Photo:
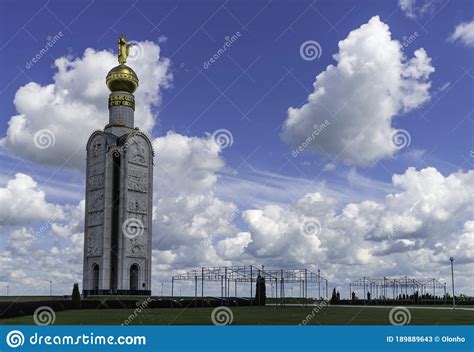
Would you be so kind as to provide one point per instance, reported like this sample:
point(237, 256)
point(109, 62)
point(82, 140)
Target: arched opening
point(95, 277)
point(134, 277)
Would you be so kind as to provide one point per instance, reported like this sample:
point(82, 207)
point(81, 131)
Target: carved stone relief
point(136, 246)
point(96, 200)
point(141, 217)
point(138, 152)
point(96, 182)
point(95, 218)
point(94, 242)
point(137, 179)
point(138, 204)
point(97, 147)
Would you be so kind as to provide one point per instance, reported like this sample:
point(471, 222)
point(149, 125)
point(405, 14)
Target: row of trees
point(415, 297)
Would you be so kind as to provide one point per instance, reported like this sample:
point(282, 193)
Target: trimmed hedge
point(15, 309)
point(401, 302)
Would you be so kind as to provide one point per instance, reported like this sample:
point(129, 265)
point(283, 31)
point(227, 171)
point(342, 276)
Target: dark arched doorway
point(95, 277)
point(134, 277)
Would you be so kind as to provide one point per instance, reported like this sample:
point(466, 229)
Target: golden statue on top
point(122, 78)
point(123, 49)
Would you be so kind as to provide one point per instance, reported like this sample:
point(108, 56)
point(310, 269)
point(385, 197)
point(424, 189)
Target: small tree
point(76, 297)
point(353, 296)
point(333, 299)
point(368, 296)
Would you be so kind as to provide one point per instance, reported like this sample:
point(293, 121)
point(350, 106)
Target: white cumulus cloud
point(187, 214)
point(417, 8)
point(359, 97)
point(464, 33)
point(22, 202)
point(75, 104)
point(422, 218)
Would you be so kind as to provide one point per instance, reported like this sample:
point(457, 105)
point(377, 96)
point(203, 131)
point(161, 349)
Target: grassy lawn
point(253, 316)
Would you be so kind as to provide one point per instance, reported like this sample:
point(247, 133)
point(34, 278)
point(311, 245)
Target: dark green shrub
point(76, 297)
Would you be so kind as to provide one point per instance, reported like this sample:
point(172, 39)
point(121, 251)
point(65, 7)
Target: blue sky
point(194, 32)
point(248, 90)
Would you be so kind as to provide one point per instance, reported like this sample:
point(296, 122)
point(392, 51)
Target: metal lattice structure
point(228, 275)
point(386, 287)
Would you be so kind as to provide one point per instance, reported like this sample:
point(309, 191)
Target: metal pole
point(202, 284)
point(195, 290)
point(364, 289)
point(283, 291)
point(384, 288)
point(251, 288)
point(406, 288)
point(50, 288)
point(235, 282)
point(8, 290)
point(305, 287)
point(172, 287)
point(319, 284)
point(222, 286)
point(327, 289)
point(445, 293)
point(225, 282)
point(452, 278)
point(276, 291)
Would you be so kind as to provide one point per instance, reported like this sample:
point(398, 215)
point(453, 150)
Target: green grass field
point(254, 316)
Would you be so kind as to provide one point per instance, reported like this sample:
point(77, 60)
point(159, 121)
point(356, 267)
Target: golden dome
point(122, 79)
